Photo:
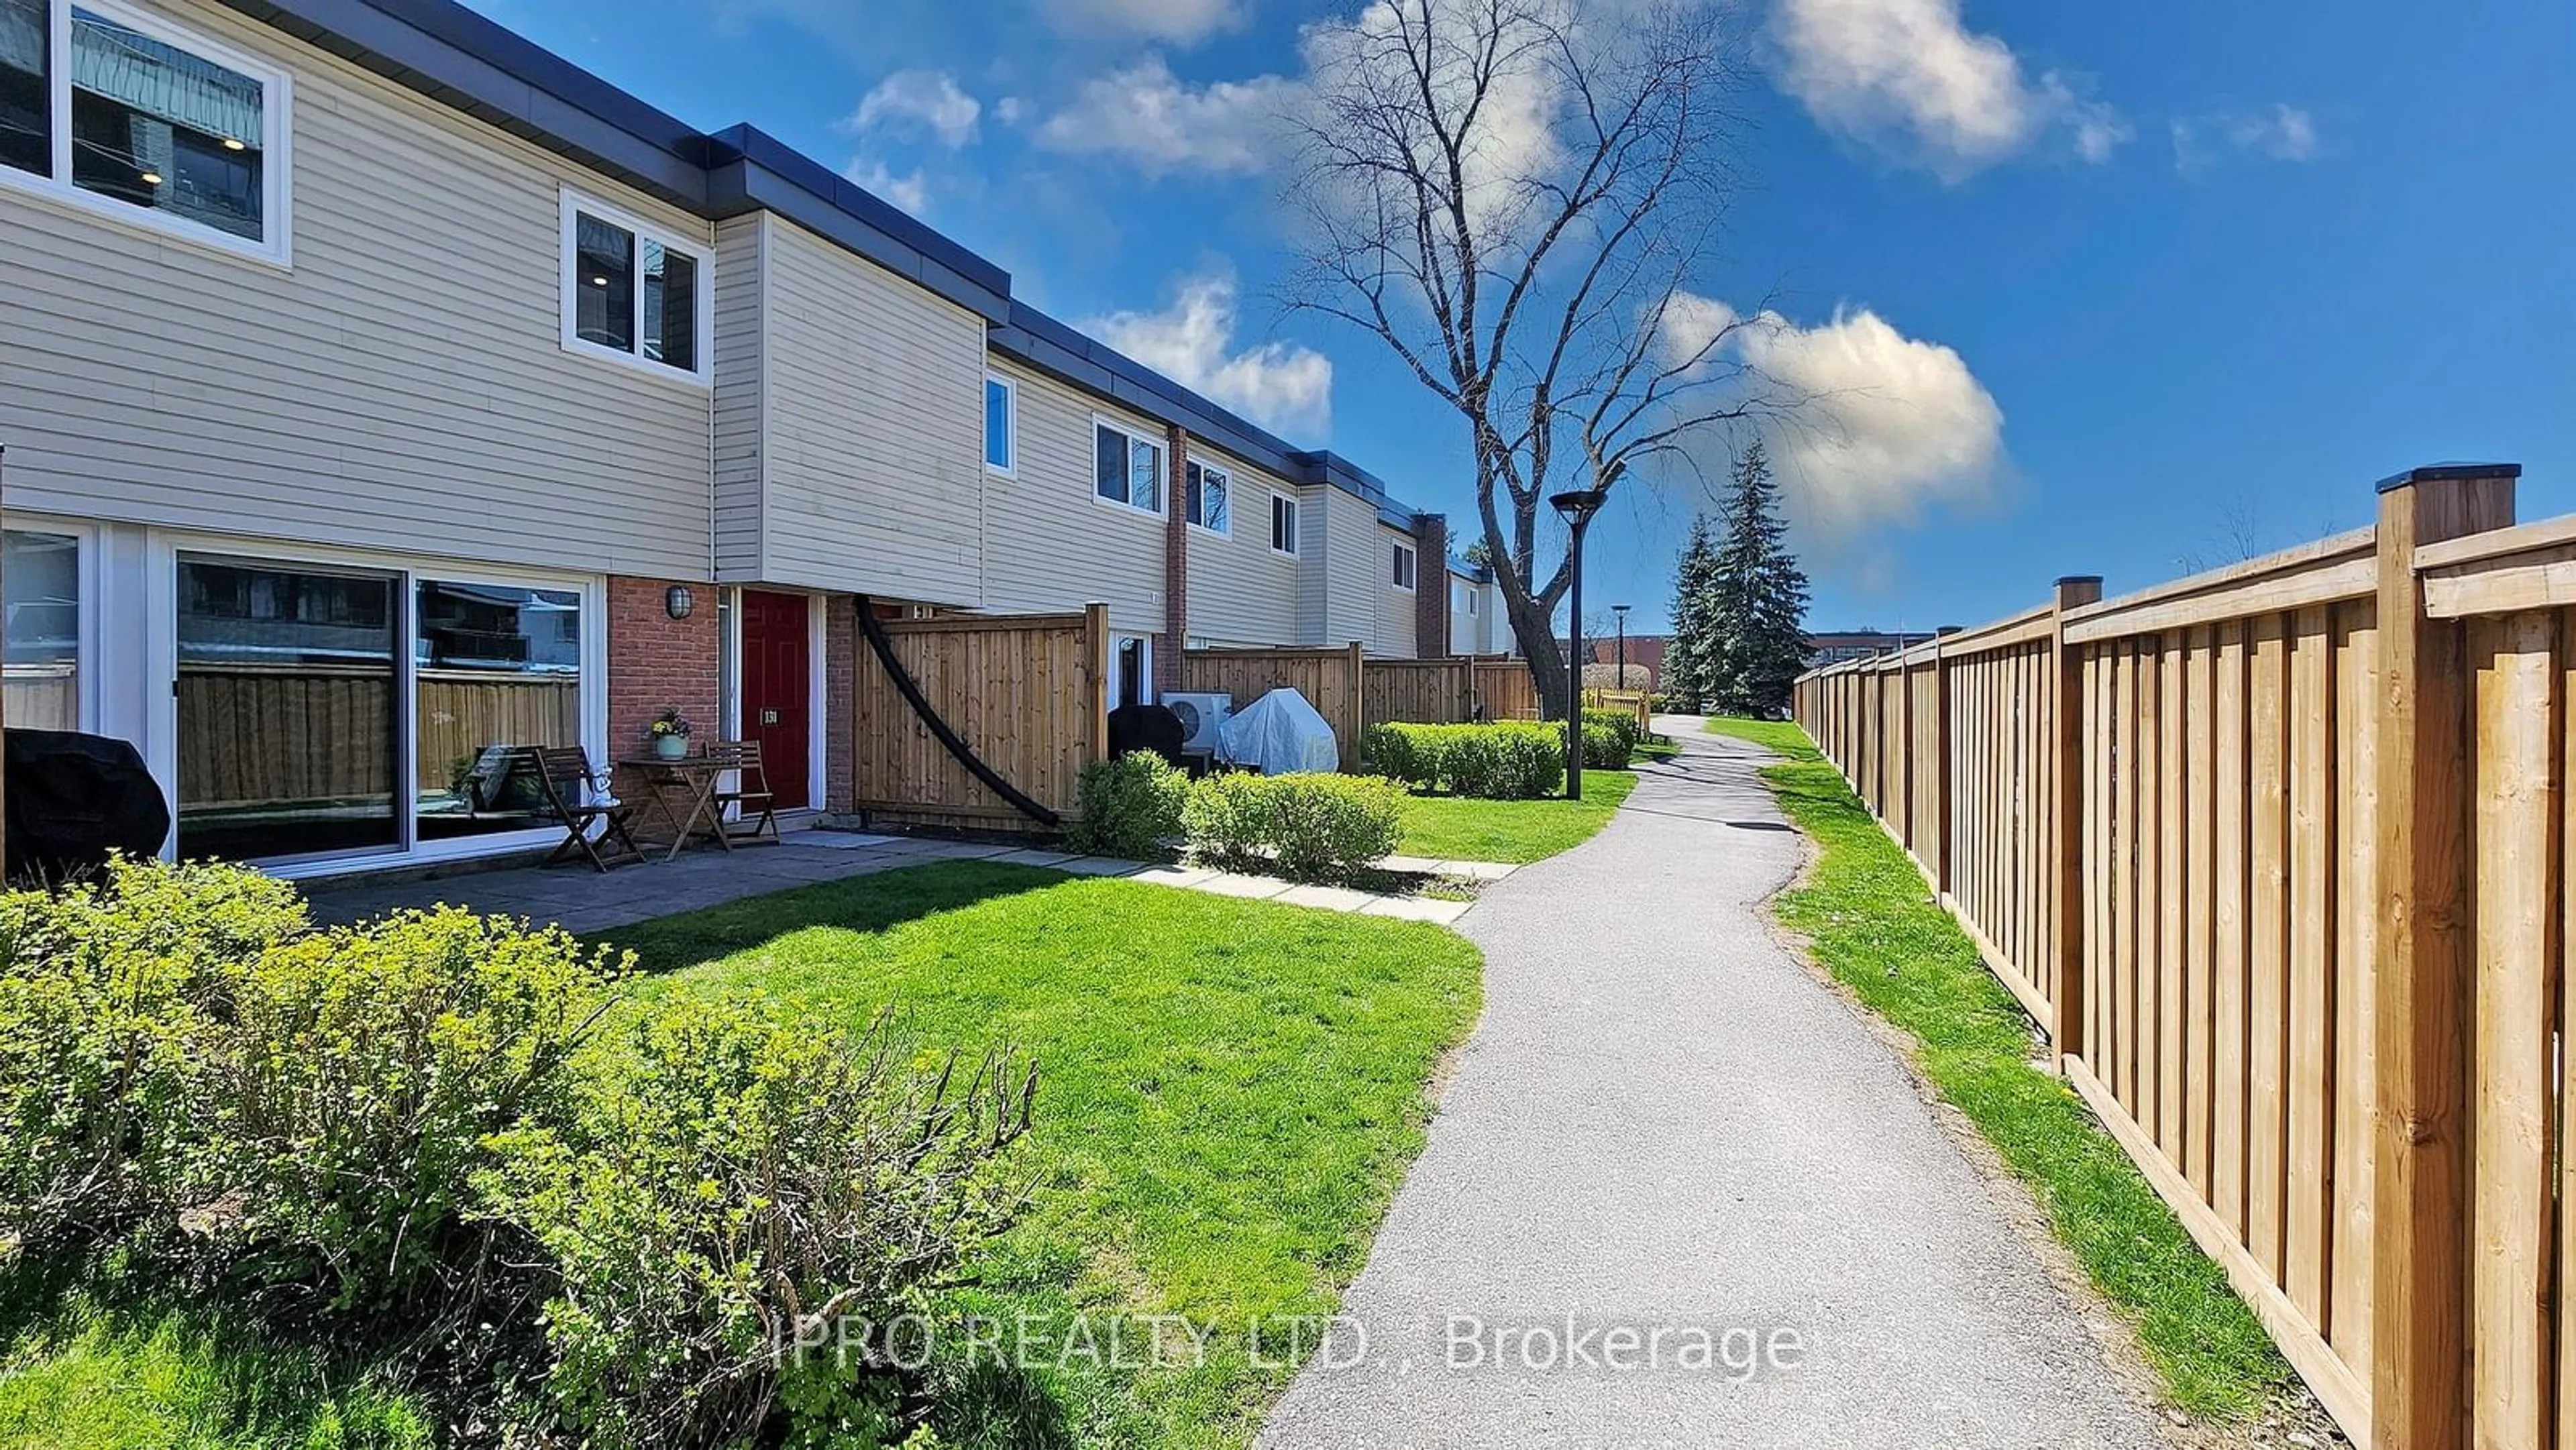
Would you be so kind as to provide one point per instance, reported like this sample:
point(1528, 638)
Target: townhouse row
point(376, 387)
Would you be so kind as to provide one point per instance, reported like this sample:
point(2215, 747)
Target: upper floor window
point(1404, 564)
point(1211, 498)
point(130, 116)
point(632, 294)
point(1283, 523)
point(1127, 468)
point(1001, 424)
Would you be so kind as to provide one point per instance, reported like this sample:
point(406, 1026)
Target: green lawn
point(1453, 828)
point(1230, 1091)
point(1874, 926)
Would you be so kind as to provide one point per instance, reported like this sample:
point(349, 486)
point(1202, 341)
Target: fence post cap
point(2448, 472)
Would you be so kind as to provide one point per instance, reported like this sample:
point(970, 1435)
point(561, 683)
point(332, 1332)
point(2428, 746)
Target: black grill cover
point(1145, 727)
point(75, 798)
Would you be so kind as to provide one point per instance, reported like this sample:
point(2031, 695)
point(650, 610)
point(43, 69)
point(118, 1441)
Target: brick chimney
point(1176, 565)
point(1431, 586)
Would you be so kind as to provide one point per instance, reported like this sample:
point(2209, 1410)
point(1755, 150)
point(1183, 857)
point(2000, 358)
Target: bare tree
point(1515, 196)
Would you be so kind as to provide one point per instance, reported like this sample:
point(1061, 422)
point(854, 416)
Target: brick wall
point(656, 663)
point(1176, 567)
point(1431, 586)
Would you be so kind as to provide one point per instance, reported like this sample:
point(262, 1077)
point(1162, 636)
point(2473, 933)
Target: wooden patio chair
point(569, 788)
point(750, 795)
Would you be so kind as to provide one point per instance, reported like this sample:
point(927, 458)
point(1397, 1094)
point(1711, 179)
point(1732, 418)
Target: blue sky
point(2107, 289)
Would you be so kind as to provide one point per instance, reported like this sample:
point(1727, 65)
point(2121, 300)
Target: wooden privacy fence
point(1028, 694)
point(1353, 692)
point(2279, 857)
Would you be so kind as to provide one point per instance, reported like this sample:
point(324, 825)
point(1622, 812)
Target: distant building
point(1857, 644)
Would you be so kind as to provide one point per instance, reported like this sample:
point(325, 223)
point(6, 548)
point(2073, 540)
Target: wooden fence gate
point(1028, 694)
point(2279, 857)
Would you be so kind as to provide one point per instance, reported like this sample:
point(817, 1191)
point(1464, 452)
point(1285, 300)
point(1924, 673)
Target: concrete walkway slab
point(1330, 898)
point(1667, 1133)
point(1417, 908)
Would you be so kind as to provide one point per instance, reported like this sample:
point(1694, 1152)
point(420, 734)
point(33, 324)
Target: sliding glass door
point(495, 666)
point(289, 694)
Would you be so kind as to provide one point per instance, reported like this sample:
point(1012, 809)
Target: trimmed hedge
point(1313, 827)
point(1508, 760)
point(1610, 739)
point(1129, 806)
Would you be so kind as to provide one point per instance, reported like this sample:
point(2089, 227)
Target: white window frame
point(86, 580)
point(1395, 566)
point(1475, 595)
point(166, 547)
point(276, 142)
point(1009, 467)
point(568, 281)
point(1296, 525)
point(1207, 471)
point(1162, 469)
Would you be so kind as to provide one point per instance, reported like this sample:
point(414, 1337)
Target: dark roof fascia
point(1092, 365)
point(754, 171)
point(460, 59)
point(479, 67)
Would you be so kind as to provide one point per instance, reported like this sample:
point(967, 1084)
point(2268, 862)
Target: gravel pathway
point(1679, 1194)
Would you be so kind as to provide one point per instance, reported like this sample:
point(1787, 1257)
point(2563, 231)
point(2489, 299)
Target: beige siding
point(1241, 592)
point(1395, 618)
point(1354, 574)
point(741, 436)
point(1315, 621)
point(874, 434)
point(1050, 542)
point(403, 386)
point(1470, 634)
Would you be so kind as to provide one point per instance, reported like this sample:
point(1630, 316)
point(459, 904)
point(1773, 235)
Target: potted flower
point(670, 732)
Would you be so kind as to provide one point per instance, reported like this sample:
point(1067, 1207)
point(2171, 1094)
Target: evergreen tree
point(1759, 599)
point(1686, 659)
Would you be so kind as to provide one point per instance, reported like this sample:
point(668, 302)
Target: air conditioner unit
point(1199, 715)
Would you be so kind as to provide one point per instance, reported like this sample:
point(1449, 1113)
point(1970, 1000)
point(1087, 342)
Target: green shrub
point(104, 993)
point(1129, 806)
point(190, 1072)
point(1227, 819)
point(742, 1217)
point(1313, 827)
point(1605, 747)
point(1622, 723)
point(1399, 751)
point(1508, 760)
point(347, 1103)
point(1533, 759)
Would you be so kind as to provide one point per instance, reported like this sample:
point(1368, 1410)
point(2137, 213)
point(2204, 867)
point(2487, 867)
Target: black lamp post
point(1578, 506)
point(1621, 610)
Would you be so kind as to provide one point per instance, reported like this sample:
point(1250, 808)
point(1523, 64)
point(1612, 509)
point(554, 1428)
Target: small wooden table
point(690, 781)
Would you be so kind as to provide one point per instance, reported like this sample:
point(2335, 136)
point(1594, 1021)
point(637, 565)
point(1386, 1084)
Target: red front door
point(778, 691)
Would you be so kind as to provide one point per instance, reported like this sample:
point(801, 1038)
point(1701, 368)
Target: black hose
point(966, 756)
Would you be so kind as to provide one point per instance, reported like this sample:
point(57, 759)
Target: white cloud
point(1885, 425)
point(924, 99)
point(1909, 76)
point(910, 191)
point(1513, 143)
point(1150, 116)
point(1282, 386)
point(1180, 22)
point(2278, 132)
